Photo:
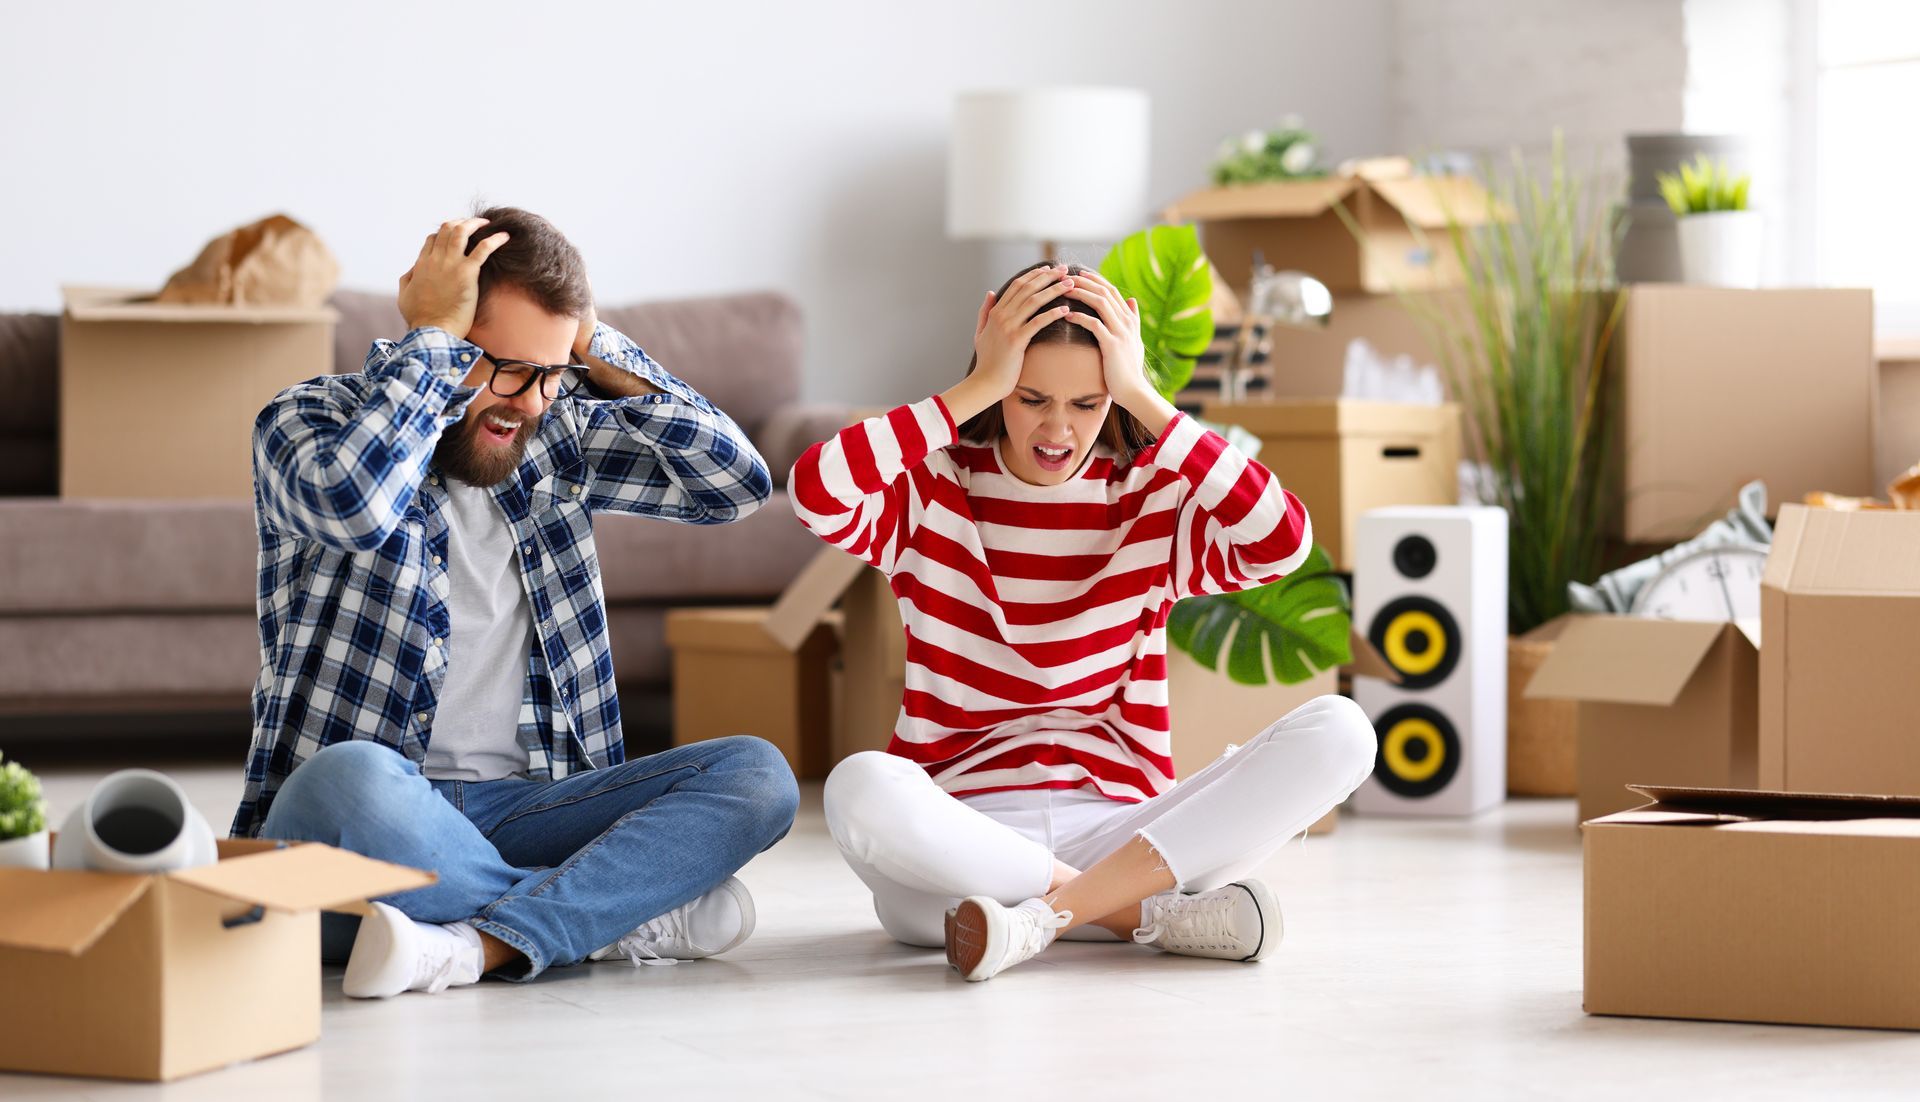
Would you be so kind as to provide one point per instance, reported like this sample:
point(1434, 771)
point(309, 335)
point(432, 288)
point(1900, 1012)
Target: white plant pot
point(135, 821)
point(1722, 248)
point(24, 853)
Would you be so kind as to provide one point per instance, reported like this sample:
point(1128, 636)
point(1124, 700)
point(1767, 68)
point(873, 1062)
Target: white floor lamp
point(1048, 165)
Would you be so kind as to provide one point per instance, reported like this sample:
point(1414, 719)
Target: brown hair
point(538, 260)
point(1121, 432)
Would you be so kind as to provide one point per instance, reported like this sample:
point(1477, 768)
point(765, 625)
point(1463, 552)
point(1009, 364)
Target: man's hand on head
point(442, 289)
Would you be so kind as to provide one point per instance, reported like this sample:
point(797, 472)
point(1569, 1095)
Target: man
point(435, 686)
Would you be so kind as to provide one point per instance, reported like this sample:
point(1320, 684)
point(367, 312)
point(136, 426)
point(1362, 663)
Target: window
point(1866, 170)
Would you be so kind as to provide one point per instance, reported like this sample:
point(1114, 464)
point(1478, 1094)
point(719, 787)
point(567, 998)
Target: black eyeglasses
point(512, 378)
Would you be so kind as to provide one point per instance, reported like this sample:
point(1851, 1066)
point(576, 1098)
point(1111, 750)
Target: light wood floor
point(1422, 960)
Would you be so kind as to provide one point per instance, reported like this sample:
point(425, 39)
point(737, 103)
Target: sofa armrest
point(794, 428)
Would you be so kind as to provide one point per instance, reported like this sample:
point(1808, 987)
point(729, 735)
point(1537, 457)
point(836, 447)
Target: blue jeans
point(556, 869)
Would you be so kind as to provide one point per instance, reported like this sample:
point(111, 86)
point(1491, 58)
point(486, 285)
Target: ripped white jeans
point(920, 850)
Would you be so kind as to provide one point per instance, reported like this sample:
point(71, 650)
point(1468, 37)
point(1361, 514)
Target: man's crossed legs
point(636, 858)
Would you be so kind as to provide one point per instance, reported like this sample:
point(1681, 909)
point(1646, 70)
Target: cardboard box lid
point(1822, 551)
point(1335, 417)
point(103, 304)
point(67, 911)
point(1424, 201)
point(1687, 806)
point(806, 601)
point(1628, 659)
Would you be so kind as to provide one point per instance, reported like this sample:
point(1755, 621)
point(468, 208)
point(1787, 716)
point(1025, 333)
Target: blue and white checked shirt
point(353, 539)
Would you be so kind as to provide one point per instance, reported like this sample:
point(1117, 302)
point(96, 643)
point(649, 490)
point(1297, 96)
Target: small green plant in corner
point(23, 813)
point(1702, 187)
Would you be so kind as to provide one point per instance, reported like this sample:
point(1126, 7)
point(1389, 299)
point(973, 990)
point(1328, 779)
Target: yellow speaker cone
point(1405, 660)
point(1408, 731)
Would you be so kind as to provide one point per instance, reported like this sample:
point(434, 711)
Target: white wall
point(1487, 75)
point(687, 148)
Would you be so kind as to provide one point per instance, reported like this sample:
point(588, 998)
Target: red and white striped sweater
point(1036, 615)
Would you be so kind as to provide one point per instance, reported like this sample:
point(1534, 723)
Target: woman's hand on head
point(1001, 333)
point(1123, 355)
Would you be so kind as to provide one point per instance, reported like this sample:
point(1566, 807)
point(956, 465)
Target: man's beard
point(462, 456)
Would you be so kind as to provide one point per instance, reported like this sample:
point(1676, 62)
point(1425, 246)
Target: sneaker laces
point(641, 945)
point(1188, 916)
point(439, 963)
point(1031, 937)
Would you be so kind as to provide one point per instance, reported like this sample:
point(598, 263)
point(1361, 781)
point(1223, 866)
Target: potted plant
point(1526, 355)
point(23, 819)
point(1720, 239)
point(1288, 152)
point(1240, 660)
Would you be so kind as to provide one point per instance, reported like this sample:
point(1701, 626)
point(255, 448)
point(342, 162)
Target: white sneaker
point(1238, 922)
point(985, 938)
point(393, 953)
point(710, 925)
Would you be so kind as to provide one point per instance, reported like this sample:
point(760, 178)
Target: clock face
point(1713, 583)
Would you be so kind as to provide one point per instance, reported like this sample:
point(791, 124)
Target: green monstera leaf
point(1163, 268)
point(1286, 632)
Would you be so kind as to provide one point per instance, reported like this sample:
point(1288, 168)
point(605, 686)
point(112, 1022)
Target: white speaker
point(1430, 593)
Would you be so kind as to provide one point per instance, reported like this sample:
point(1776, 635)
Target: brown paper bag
point(273, 262)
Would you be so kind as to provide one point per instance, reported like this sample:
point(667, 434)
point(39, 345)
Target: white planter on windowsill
point(1722, 248)
point(24, 853)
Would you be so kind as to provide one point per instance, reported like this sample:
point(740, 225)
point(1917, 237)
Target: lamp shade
point(1048, 164)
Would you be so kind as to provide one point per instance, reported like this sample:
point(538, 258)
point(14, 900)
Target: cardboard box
point(189, 380)
point(1312, 363)
point(1295, 224)
point(1212, 711)
point(156, 977)
point(1897, 431)
point(873, 645)
point(1342, 457)
point(1840, 625)
point(732, 677)
point(1670, 702)
point(1722, 386)
point(1755, 907)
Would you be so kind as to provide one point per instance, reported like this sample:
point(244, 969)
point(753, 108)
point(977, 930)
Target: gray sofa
point(135, 617)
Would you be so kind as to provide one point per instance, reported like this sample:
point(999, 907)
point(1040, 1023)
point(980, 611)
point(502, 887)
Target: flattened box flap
point(303, 878)
point(63, 911)
point(1744, 803)
point(1627, 659)
point(807, 599)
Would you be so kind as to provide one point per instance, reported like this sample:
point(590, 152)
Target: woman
point(1036, 522)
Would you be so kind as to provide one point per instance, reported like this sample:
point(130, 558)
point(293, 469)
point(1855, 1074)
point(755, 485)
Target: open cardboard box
point(1840, 615)
point(156, 977)
point(1755, 906)
point(1298, 224)
point(873, 645)
point(203, 371)
point(1673, 699)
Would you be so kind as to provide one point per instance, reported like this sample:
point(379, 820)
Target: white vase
point(1722, 248)
point(24, 853)
point(135, 821)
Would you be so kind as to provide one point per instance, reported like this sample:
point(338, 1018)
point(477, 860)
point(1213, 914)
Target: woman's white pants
point(920, 850)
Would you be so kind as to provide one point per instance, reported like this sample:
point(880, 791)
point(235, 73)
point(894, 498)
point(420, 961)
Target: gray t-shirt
point(476, 727)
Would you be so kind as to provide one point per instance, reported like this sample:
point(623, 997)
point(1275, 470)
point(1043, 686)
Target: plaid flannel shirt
point(353, 539)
